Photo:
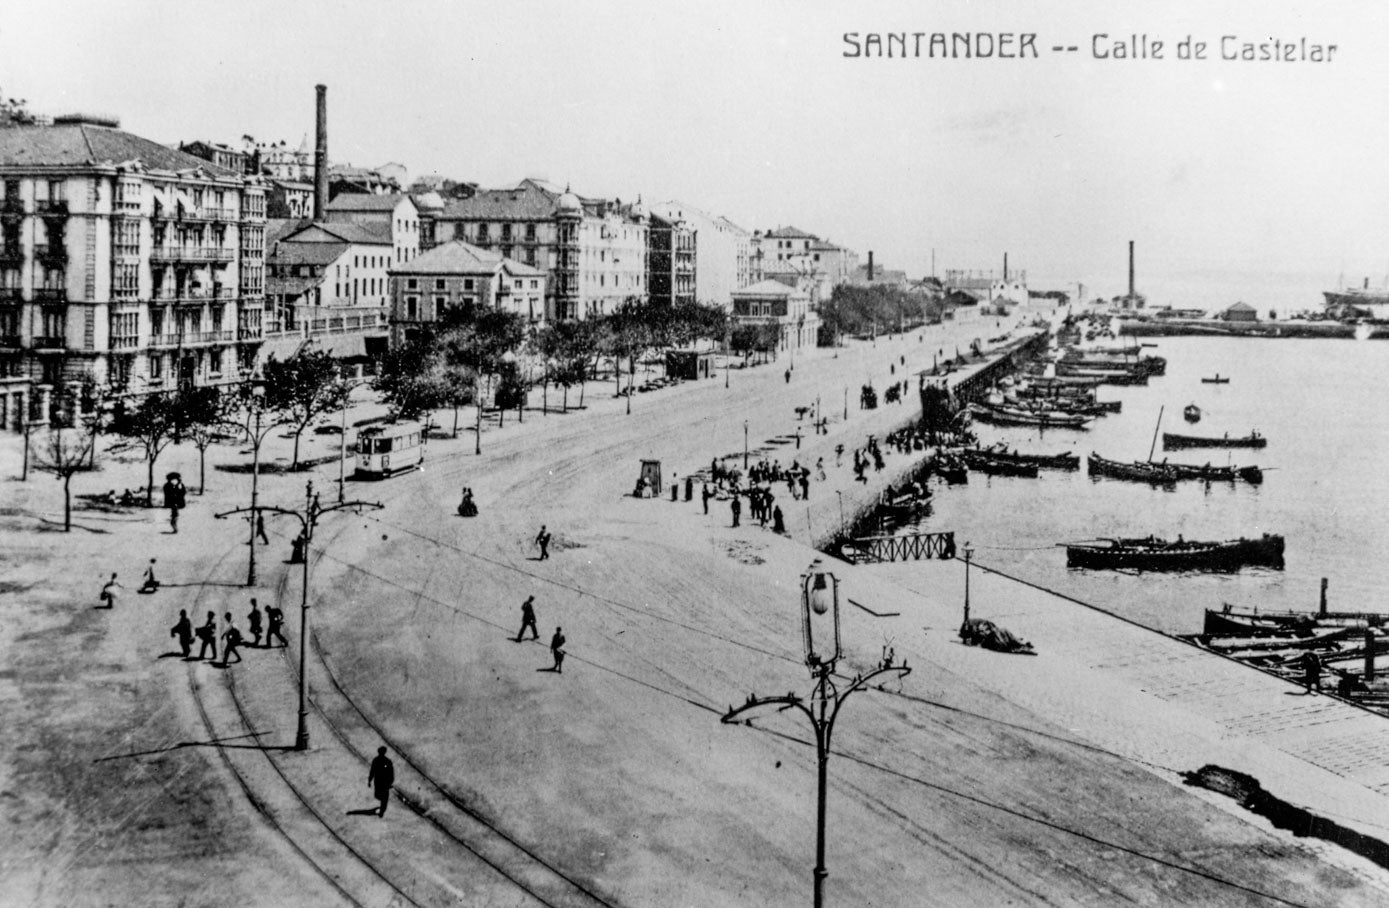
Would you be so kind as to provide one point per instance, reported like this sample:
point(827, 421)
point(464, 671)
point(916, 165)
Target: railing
point(9, 341)
point(124, 342)
point(50, 295)
point(49, 343)
point(11, 295)
point(191, 254)
point(164, 340)
point(11, 205)
point(51, 206)
point(11, 254)
point(51, 251)
point(913, 547)
point(222, 214)
point(249, 334)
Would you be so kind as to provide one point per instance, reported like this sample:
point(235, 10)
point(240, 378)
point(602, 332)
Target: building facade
point(722, 252)
point(396, 213)
point(785, 308)
point(595, 251)
point(458, 273)
point(123, 263)
point(672, 260)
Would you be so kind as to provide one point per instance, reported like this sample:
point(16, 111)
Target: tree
point(203, 415)
point(303, 388)
point(150, 425)
point(65, 454)
point(408, 378)
point(15, 112)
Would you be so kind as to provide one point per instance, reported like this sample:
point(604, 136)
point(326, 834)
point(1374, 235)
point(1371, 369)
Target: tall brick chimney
point(1130, 269)
point(320, 158)
point(1005, 267)
point(870, 266)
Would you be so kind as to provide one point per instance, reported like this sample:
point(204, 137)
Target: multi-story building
point(289, 199)
point(122, 263)
point(396, 213)
point(783, 307)
point(328, 283)
point(222, 155)
point(594, 250)
point(722, 252)
point(458, 273)
point(672, 260)
point(280, 161)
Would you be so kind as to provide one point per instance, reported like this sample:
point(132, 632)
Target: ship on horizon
point(1361, 297)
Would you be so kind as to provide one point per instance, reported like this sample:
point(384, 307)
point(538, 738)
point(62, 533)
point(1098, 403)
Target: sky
point(1235, 179)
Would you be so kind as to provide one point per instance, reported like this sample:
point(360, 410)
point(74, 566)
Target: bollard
point(1369, 655)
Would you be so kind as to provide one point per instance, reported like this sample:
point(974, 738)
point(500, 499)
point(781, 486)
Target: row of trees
point(473, 352)
point(876, 309)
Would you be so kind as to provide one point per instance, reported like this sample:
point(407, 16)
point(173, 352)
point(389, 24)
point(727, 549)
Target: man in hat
point(528, 620)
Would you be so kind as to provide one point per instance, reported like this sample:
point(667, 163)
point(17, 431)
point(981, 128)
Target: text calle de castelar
point(1103, 46)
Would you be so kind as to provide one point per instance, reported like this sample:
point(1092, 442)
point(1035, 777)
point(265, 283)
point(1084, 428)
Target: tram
point(385, 450)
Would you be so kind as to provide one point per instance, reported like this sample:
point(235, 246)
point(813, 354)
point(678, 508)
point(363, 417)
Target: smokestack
point(1005, 267)
point(320, 158)
point(1130, 269)
point(870, 266)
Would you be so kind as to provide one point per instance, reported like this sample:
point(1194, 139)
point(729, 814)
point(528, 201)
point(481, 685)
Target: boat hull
point(1160, 555)
point(1171, 441)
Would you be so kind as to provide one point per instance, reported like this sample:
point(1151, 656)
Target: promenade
point(979, 779)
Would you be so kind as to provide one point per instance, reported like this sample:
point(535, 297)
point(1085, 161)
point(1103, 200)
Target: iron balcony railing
point(48, 342)
point(50, 295)
point(191, 254)
point(51, 206)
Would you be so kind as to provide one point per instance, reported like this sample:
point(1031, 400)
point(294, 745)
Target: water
point(1321, 405)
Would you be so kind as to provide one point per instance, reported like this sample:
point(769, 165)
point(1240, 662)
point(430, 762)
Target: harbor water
point(1320, 404)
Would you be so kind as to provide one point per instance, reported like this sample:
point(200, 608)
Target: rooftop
point(348, 201)
point(458, 257)
point(83, 144)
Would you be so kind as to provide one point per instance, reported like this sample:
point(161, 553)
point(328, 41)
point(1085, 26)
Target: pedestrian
point(788, 376)
point(528, 620)
point(231, 640)
point(183, 630)
point(542, 539)
point(275, 622)
point(149, 584)
point(557, 649)
point(778, 523)
point(736, 505)
point(110, 593)
point(805, 485)
point(260, 529)
point(296, 549)
point(207, 633)
point(1311, 671)
point(706, 495)
point(253, 619)
point(380, 778)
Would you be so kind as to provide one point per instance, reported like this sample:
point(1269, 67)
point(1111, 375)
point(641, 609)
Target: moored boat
point(1002, 467)
point(1153, 554)
point(1155, 474)
point(1217, 380)
point(1173, 441)
point(1000, 452)
point(1011, 416)
point(1251, 474)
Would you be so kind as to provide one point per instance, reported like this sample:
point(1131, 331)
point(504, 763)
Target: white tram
point(389, 449)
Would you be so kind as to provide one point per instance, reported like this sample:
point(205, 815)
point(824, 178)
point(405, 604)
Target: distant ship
point(1356, 296)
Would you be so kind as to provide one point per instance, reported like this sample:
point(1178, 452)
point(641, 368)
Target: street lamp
point(745, 446)
point(969, 554)
point(308, 520)
point(820, 640)
point(342, 435)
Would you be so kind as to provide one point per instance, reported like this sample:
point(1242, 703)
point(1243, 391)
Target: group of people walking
point(557, 641)
point(270, 622)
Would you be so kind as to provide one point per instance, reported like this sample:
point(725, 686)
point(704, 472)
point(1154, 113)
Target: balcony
point(125, 342)
point(50, 295)
point(210, 337)
point(249, 334)
point(52, 253)
point(11, 295)
point(49, 342)
point(11, 254)
point(191, 254)
point(51, 207)
point(9, 342)
point(222, 214)
point(11, 207)
point(164, 340)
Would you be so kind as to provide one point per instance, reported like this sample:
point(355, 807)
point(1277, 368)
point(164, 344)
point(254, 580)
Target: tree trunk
point(566, 399)
point(67, 503)
point(455, 419)
point(202, 469)
point(295, 465)
point(149, 489)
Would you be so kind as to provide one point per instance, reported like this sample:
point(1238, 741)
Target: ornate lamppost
point(820, 640)
point(969, 554)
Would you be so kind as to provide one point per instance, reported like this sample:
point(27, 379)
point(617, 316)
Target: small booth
point(689, 364)
point(649, 482)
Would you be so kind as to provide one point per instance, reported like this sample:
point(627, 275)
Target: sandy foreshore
point(135, 778)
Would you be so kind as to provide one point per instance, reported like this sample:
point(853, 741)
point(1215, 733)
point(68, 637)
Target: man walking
point(110, 593)
point(184, 632)
point(542, 539)
point(275, 620)
point(737, 506)
point(528, 620)
point(380, 778)
point(254, 619)
point(231, 639)
point(557, 649)
point(207, 633)
point(260, 529)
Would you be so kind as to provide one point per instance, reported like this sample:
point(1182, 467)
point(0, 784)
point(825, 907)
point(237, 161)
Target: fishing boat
point(1232, 621)
point(1173, 441)
point(1138, 471)
point(952, 470)
point(1192, 413)
point(1011, 416)
point(1154, 554)
point(1210, 473)
point(1217, 379)
point(905, 506)
point(1000, 452)
point(1002, 467)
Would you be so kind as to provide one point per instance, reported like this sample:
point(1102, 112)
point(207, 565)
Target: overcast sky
point(1215, 168)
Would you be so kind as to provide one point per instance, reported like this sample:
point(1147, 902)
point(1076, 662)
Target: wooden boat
point(1153, 554)
point(1230, 620)
point(1010, 416)
point(952, 470)
point(1192, 413)
point(1003, 467)
point(1252, 475)
point(1172, 441)
point(1138, 471)
point(1000, 452)
point(1217, 380)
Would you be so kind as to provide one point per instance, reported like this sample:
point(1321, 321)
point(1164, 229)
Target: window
point(412, 308)
point(156, 367)
point(467, 283)
point(530, 233)
point(506, 233)
point(482, 233)
point(535, 284)
point(412, 284)
point(439, 284)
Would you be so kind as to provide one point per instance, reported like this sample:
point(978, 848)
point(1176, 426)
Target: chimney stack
point(1130, 270)
point(320, 158)
point(1005, 267)
point(870, 266)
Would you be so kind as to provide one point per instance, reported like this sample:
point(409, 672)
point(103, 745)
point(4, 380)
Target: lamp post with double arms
point(820, 639)
point(308, 520)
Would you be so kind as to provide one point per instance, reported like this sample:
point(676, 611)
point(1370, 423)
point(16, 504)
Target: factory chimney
point(1130, 271)
point(870, 266)
point(320, 158)
point(1005, 267)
